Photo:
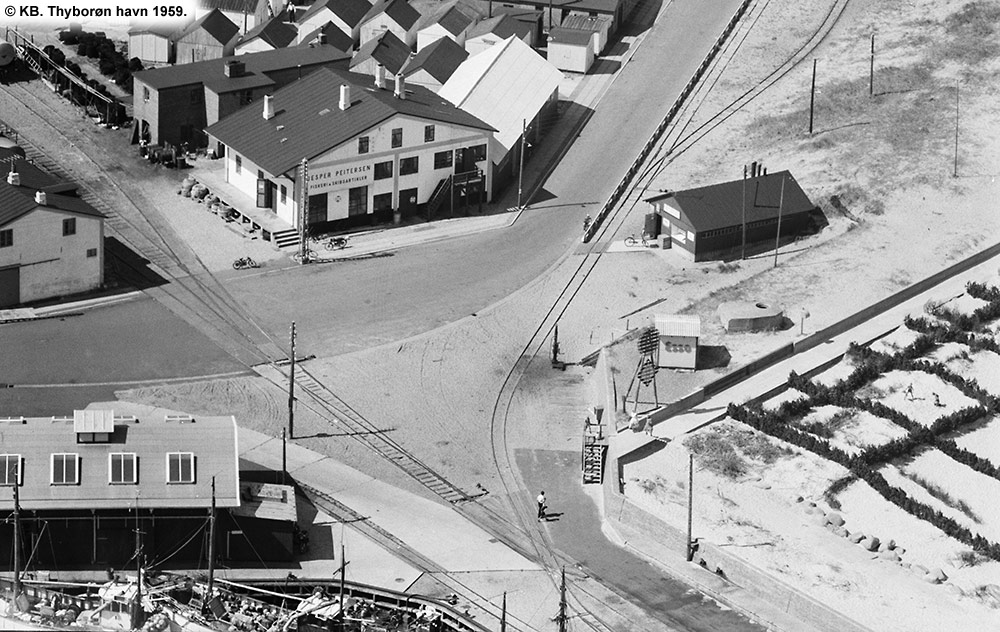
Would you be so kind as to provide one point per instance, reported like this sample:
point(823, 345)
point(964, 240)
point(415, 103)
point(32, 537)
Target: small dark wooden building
point(707, 223)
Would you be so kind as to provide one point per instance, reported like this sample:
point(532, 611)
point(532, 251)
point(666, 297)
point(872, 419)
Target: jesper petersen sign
point(336, 178)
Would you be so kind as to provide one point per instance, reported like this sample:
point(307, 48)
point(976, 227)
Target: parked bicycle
point(245, 263)
point(631, 241)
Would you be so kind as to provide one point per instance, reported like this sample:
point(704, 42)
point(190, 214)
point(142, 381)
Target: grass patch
point(972, 32)
point(837, 486)
point(727, 451)
point(943, 496)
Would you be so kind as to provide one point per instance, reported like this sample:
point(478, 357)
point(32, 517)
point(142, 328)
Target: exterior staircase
point(593, 463)
point(286, 239)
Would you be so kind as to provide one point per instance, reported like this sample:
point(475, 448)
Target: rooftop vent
point(324, 111)
point(235, 69)
point(400, 92)
point(40, 198)
point(181, 419)
point(13, 178)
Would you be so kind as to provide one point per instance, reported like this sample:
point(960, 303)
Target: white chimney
point(345, 96)
point(379, 76)
point(13, 178)
point(40, 198)
point(400, 87)
point(268, 107)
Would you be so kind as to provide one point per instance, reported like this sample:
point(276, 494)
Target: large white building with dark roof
point(371, 151)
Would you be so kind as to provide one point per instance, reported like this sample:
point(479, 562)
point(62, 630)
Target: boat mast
point(137, 618)
point(343, 565)
point(17, 543)
point(211, 551)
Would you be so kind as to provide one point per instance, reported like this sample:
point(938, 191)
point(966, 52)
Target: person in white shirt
point(541, 506)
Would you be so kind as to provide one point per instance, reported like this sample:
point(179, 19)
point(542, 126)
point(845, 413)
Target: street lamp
point(802, 321)
point(520, 170)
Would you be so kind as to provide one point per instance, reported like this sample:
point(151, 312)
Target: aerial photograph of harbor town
point(500, 315)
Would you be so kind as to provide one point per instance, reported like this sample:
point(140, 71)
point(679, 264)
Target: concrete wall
point(52, 264)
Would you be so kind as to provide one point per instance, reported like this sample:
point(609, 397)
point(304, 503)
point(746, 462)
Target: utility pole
point(503, 614)
point(690, 547)
point(955, 173)
point(284, 458)
point(871, 70)
point(291, 390)
point(743, 247)
point(562, 617)
point(303, 214)
point(205, 607)
point(812, 98)
point(137, 618)
point(343, 570)
point(777, 236)
point(17, 540)
point(520, 170)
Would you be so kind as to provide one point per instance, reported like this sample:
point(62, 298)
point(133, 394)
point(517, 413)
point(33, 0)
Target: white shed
point(678, 340)
point(571, 49)
point(599, 24)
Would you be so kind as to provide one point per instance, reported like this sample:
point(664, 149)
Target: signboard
point(337, 178)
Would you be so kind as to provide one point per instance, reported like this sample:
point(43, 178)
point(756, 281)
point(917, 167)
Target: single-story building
point(245, 14)
point(709, 222)
point(572, 49)
point(173, 104)
point(434, 64)
point(496, 30)
point(273, 33)
point(451, 20)
point(345, 14)
point(679, 336)
point(152, 44)
point(370, 153)
point(395, 16)
point(210, 37)
point(506, 86)
point(51, 241)
point(599, 24)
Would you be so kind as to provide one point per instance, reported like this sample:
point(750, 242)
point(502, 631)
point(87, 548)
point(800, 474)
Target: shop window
point(442, 159)
point(383, 170)
point(357, 201)
point(65, 469)
point(6, 238)
point(10, 469)
point(180, 467)
point(122, 468)
point(363, 146)
point(69, 226)
point(478, 153)
point(397, 137)
point(428, 133)
point(382, 202)
point(409, 165)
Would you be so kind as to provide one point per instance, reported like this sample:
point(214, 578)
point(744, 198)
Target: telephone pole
point(743, 247)
point(812, 98)
point(690, 546)
point(562, 617)
point(520, 170)
point(777, 236)
point(291, 390)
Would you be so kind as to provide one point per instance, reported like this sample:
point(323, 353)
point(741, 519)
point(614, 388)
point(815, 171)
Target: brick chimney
point(268, 107)
point(235, 69)
point(345, 96)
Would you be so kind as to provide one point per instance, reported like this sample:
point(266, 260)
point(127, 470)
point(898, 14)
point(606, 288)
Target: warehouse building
point(507, 85)
point(51, 241)
point(373, 154)
point(345, 14)
point(212, 36)
point(273, 33)
point(451, 20)
point(708, 222)
point(394, 16)
point(434, 64)
point(172, 105)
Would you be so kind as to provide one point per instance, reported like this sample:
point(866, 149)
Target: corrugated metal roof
point(385, 49)
point(503, 85)
point(215, 24)
point(678, 325)
point(439, 59)
point(312, 123)
point(276, 32)
point(399, 10)
point(93, 421)
point(266, 501)
point(333, 36)
point(721, 205)
point(352, 12)
point(260, 63)
point(586, 22)
point(212, 440)
point(572, 37)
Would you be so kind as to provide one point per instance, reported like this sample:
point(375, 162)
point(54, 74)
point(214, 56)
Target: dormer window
point(93, 426)
point(10, 470)
point(180, 468)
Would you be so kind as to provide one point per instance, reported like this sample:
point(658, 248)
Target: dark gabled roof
point(503, 26)
point(450, 17)
point(17, 201)
point(275, 31)
point(399, 10)
point(386, 49)
point(233, 6)
point(165, 30)
point(721, 205)
point(249, 81)
point(308, 120)
point(439, 59)
point(212, 70)
point(215, 24)
point(574, 37)
point(350, 11)
point(332, 36)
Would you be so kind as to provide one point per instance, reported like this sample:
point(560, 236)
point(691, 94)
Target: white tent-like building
point(512, 88)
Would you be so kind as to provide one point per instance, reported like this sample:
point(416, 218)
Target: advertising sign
point(338, 178)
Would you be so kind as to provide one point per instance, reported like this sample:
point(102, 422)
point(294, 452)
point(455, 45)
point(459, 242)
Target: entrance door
point(10, 286)
point(317, 209)
point(407, 202)
point(357, 201)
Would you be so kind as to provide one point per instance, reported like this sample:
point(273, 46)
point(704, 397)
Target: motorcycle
point(245, 263)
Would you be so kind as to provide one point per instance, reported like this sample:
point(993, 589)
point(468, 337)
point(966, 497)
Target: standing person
point(541, 506)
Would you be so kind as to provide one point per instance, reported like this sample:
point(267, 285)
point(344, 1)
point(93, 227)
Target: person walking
point(541, 506)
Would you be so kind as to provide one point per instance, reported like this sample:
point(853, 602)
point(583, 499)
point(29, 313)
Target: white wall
point(52, 264)
point(382, 22)
point(434, 32)
point(149, 48)
point(571, 58)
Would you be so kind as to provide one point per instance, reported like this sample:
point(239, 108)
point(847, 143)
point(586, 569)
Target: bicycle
point(307, 257)
point(244, 263)
point(631, 241)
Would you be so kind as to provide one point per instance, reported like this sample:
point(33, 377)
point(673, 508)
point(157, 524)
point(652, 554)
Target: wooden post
point(503, 614)
point(520, 169)
point(291, 390)
point(955, 173)
point(690, 548)
point(562, 617)
point(743, 247)
point(812, 98)
point(777, 236)
point(211, 554)
point(284, 458)
point(871, 70)
point(17, 538)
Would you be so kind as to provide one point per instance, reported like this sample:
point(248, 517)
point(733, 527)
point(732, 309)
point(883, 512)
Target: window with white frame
point(180, 467)
point(65, 469)
point(122, 468)
point(10, 469)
